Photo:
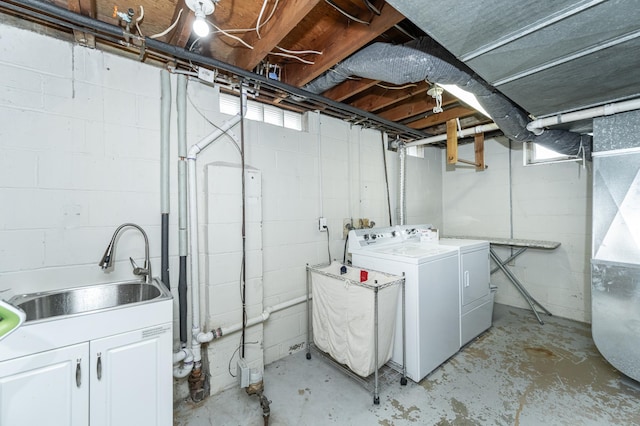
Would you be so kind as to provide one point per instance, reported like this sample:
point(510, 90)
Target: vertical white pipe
point(182, 167)
point(193, 228)
point(165, 114)
point(402, 184)
point(194, 258)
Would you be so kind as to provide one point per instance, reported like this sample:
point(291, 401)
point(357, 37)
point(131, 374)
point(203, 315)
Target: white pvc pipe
point(182, 370)
point(537, 126)
point(402, 184)
point(165, 114)
point(181, 105)
point(461, 134)
point(193, 227)
point(223, 331)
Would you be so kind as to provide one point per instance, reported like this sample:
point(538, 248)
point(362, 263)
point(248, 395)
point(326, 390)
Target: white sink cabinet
point(107, 368)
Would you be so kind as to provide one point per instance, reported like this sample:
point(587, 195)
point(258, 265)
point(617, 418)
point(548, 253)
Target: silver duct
point(423, 59)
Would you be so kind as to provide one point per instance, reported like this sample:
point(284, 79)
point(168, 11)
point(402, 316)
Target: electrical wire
point(386, 176)
point(345, 13)
point(234, 354)
point(344, 256)
point(138, 19)
point(172, 26)
point(406, 86)
point(246, 30)
point(219, 30)
point(299, 52)
point(286, 55)
point(264, 6)
point(243, 282)
point(371, 7)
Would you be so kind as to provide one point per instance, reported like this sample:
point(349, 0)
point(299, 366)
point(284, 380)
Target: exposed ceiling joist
point(349, 88)
point(339, 40)
point(384, 95)
point(435, 119)
point(291, 13)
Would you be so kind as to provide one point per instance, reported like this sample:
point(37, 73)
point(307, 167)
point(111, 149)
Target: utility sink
point(82, 300)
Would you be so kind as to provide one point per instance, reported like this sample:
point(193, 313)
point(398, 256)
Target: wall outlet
point(322, 224)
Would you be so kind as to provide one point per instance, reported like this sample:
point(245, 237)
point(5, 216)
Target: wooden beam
point(452, 142)
point(446, 115)
point(288, 15)
point(349, 88)
point(181, 33)
point(87, 8)
point(381, 97)
point(478, 143)
point(413, 107)
point(340, 42)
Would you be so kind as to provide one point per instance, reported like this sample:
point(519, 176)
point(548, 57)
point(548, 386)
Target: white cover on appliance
point(343, 316)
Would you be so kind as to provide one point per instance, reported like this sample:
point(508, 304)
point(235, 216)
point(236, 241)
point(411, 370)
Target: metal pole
point(308, 314)
point(403, 381)
point(376, 398)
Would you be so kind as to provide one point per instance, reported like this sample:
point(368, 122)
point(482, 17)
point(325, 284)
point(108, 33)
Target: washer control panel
point(359, 238)
point(362, 238)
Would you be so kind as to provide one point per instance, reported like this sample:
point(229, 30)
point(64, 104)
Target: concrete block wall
point(545, 202)
point(78, 135)
point(92, 163)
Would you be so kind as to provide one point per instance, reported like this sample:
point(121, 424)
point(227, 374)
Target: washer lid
point(414, 250)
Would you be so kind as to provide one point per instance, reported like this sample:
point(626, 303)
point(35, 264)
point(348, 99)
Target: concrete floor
point(517, 373)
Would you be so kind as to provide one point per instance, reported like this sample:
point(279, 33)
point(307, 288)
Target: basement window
point(256, 111)
point(415, 151)
point(534, 154)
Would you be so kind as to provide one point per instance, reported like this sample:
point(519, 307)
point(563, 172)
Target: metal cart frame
point(375, 289)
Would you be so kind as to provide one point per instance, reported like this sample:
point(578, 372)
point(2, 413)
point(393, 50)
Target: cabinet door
point(131, 378)
point(49, 388)
point(475, 276)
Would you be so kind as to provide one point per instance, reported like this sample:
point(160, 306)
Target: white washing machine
point(476, 300)
point(432, 299)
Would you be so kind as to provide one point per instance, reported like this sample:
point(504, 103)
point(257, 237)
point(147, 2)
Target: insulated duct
point(424, 59)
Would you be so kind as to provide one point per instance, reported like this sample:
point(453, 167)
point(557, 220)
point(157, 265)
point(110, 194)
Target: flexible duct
point(423, 59)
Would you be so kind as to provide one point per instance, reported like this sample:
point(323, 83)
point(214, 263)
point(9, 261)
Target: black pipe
point(181, 53)
point(165, 250)
point(182, 298)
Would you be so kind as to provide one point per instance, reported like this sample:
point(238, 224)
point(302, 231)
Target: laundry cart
point(351, 314)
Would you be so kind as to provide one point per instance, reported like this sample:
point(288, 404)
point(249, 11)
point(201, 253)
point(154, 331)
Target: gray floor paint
point(517, 373)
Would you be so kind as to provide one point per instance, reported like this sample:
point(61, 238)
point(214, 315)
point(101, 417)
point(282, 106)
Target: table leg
point(530, 300)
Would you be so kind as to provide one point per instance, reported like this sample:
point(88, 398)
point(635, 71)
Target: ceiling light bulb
point(201, 8)
point(200, 26)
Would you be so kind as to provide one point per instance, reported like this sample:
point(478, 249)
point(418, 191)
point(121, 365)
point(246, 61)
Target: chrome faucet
point(107, 258)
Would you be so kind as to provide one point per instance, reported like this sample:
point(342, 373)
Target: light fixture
point(201, 8)
point(464, 96)
point(436, 93)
